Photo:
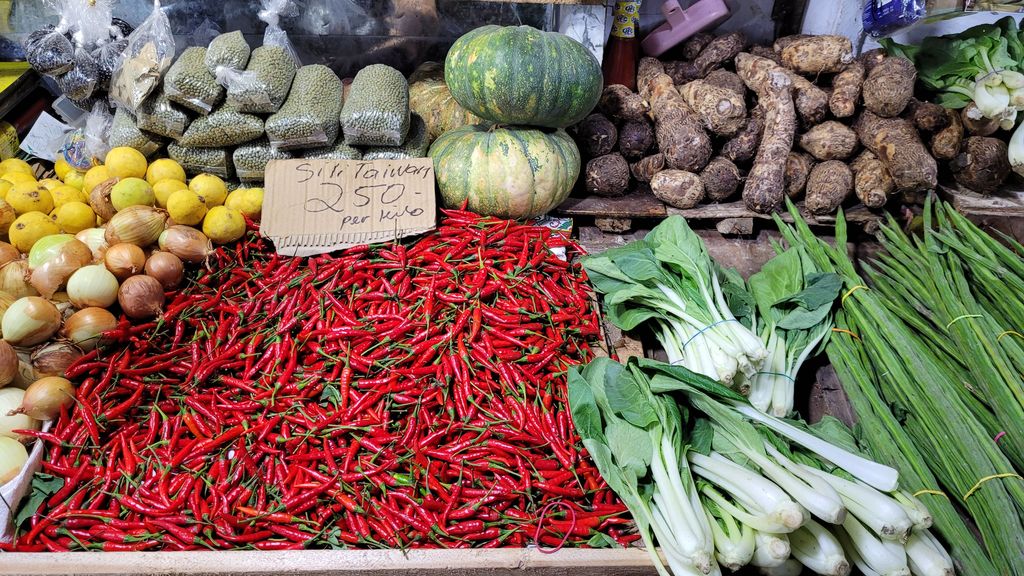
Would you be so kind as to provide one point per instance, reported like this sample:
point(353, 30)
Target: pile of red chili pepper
point(399, 396)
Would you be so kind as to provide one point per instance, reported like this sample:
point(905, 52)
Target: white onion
point(14, 279)
point(30, 321)
point(86, 326)
point(13, 457)
point(56, 264)
point(47, 248)
point(95, 240)
point(92, 286)
point(11, 399)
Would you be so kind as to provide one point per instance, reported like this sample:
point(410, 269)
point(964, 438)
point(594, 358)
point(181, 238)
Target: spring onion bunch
point(925, 372)
point(669, 280)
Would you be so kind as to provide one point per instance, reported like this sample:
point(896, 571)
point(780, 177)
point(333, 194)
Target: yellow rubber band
point(845, 331)
point(934, 492)
point(851, 291)
point(1009, 332)
point(986, 479)
point(959, 318)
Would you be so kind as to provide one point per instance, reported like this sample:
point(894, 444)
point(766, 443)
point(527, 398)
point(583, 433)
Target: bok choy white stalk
point(816, 548)
point(871, 554)
point(734, 541)
point(770, 550)
point(788, 567)
point(878, 511)
point(760, 503)
point(927, 557)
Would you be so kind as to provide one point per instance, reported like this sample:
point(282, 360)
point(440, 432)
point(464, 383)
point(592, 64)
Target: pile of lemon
point(31, 209)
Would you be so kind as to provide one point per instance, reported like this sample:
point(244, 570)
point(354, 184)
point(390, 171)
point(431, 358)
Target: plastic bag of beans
point(161, 117)
point(148, 55)
point(309, 118)
point(125, 132)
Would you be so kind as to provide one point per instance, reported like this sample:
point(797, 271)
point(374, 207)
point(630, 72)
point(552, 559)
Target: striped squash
point(508, 172)
point(430, 98)
point(520, 75)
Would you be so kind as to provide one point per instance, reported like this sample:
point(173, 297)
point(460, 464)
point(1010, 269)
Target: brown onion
point(86, 327)
point(124, 260)
point(141, 297)
point(55, 358)
point(55, 272)
point(29, 321)
point(167, 268)
point(186, 243)
point(8, 363)
point(45, 397)
point(14, 279)
point(139, 225)
point(99, 199)
point(8, 253)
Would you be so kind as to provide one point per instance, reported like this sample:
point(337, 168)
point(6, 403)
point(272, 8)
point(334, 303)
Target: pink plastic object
point(681, 24)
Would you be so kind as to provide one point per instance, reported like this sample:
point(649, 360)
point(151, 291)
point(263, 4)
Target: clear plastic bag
point(229, 50)
point(225, 127)
point(337, 151)
point(88, 144)
point(216, 161)
point(309, 117)
point(251, 159)
point(125, 132)
point(271, 12)
point(416, 145)
point(92, 22)
point(80, 81)
point(50, 50)
point(148, 55)
point(190, 84)
point(107, 56)
point(159, 116)
point(264, 85)
point(376, 112)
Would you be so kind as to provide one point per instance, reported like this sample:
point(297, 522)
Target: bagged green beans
point(309, 118)
point(416, 145)
point(377, 110)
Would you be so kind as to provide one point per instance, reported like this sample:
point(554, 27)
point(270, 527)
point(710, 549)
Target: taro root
point(889, 86)
point(871, 181)
point(982, 164)
point(680, 71)
point(846, 87)
point(946, 142)
point(646, 71)
point(928, 116)
point(898, 145)
point(596, 136)
point(719, 52)
point(728, 80)
point(635, 139)
point(677, 129)
point(607, 175)
point(829, 141)
point(721, 111)
point(621, 103)
point(678, 188)
point(743, 146)
point(645, 168)
point(818, 54)
point(693, 45)
point(828, 186)
point(798, 168)
point(721, 179)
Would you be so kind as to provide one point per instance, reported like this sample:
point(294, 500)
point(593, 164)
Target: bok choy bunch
point(669, 280)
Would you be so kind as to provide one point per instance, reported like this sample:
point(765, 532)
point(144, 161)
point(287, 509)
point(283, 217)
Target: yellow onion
point(45, 397)
point(139, 225)
point(5, 302)
point(124, 260)
point(95, 239)
point(186, 243)
point(29, 321)
point(55, 358)
point(93, 285)
point(167, 268)
point(8, 253)
point(57, 264)
point(11, 400)
point(14, 279)
point(86, 327)
point(26, 374)
point(8, 363)
point(99, 199)
point(141, 297)
point(13, 456)
point(7, 216)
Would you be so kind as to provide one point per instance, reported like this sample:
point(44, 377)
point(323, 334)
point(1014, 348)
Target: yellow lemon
point(63, 194)
point(50, 183)
point(164, 169)
point(27, 198)
point(211, 188)
point(186, 207)
point(5, 187)
point(164, 188)
point(18, 178)
point(74, 217)
point(125, 162)
point(248, 201)
point(15, 165)
point(75, 179)
point(61, 167)
point(28, 228)
point(94, 176)
point(7, 216)
point(131, 192)
point(223, 225)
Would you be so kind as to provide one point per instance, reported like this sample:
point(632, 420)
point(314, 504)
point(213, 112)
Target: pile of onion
point(53, 259)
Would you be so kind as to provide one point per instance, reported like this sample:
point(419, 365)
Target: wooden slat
point(629, 206)
point(500, 562)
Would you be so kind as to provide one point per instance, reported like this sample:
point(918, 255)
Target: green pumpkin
point(507, 172)
point(430, 98)
point(520, 75)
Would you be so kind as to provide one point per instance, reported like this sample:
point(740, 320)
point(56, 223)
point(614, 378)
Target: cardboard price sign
point(317, 206)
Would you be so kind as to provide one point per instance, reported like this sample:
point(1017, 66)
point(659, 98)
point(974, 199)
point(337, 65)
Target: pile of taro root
point(802, 118)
